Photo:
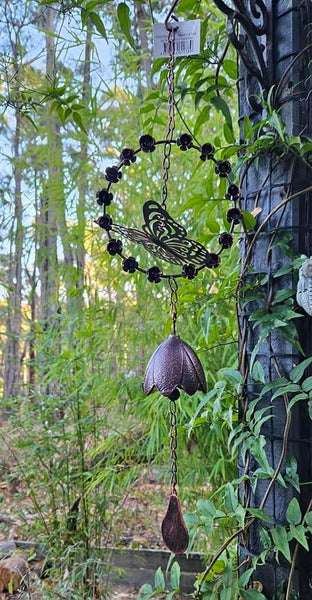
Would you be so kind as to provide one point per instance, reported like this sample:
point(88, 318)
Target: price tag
point(187, 39)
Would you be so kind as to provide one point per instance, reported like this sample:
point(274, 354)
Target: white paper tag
point(187, 39)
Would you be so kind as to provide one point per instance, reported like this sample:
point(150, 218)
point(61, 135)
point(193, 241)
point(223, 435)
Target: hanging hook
point(171, 9)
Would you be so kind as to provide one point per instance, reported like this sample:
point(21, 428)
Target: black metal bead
point(234, 215)
point(207, 151)
point(225, 240)
point(105, 222)
point(129, 265)
point(185, 141)
point(223, 168)
point(189, 271)
point(233, 192)
point(212, 260)
point(175, 395)
point(114, 247)
point(104, 197)
point(127, 156)
point(112, 174)
point(154, 274)
point(147, 143)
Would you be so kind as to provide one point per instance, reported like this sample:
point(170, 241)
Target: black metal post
point(273, 39)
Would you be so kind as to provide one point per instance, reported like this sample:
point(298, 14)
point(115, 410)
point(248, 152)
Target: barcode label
point(180, 47)
point(187, 39)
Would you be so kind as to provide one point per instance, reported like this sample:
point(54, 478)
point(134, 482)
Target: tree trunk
point(144, 62)
point(48, 222)
point(82, 182)
point(12, 362)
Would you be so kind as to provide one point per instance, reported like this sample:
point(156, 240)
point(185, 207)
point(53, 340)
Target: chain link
point(173, 302)
point(171, 115)
point(173, 445)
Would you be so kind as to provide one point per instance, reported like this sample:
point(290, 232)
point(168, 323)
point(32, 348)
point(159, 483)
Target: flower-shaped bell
point(174, 365)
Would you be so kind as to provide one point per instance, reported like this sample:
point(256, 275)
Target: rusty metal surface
point(174, 365)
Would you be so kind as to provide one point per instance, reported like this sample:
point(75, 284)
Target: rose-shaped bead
point(207, 151)
point(114, 247)
point(223, 168)
point(147, 143)
point(185, 141)
point(105, 222)
point(127, 156)
point(154, 274)
point(174, 365)
point(112, 174)
point(104, 197)
point(212, 260)
point(189, 271)
point(233, 192)
point(129, 265)
point(234, 215)
point(225, 240)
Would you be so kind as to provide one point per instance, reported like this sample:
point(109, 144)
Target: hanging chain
point(173, 445)
point(173, 302)
point(171, 114)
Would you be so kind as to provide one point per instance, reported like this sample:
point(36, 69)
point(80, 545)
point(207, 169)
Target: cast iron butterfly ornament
point(174, 365)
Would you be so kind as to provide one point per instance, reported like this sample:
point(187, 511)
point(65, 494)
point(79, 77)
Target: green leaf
point(291, 472)
point(293, 513)
point(98, 24)
point(296, 399)
point(260, 514)
point(280, 540)
point(245, 577)
point(206, 508)
point(248, 129)
point(249, 220)
point(229, 136)
point(159, 580)
point(226, 594)
point(123, 14)
point(307, 384)
point(258, 372)
point(286, 389)
point(222, 106)
point(230, 499)
point(175, 576)
point(93, 3)
point(282, 295)
point(273, 384)
point(187, 5)
point(277, 124)
point(308, 518)
point(251, 595)
point(84, 17)
point(296, 373)
point(146, 592)
point(202, 118)
point(298, 533)
point(77, 118)
point(230, 68)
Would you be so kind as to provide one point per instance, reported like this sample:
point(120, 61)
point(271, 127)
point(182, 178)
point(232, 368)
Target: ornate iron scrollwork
point(248, 31)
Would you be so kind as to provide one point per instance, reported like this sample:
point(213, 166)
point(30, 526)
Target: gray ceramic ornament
point(304, 287)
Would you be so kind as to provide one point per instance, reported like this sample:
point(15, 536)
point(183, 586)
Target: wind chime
point(174, 365)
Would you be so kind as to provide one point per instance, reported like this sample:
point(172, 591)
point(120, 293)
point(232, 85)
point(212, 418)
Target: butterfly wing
point(150, 243)
point(172, 237)
point(165, 238)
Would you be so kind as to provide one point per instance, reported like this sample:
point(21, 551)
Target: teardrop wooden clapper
point(174, 365)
